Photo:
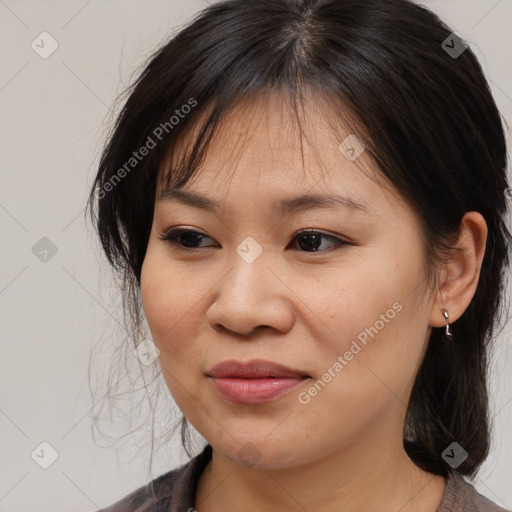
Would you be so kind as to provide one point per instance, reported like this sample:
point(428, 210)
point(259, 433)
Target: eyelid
point(325, 233)
point(172, 234)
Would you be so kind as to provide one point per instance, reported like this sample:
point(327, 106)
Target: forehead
point(266, 149)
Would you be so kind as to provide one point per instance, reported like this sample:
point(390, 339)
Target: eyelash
point(173, 235)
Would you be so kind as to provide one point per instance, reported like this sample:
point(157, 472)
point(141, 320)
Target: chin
point(259, 453)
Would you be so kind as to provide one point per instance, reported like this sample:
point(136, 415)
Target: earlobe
point(460, 275)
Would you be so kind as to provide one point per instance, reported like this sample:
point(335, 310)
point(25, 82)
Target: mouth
point(255, 381)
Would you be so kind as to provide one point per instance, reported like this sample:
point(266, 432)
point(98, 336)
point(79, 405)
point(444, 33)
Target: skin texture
point(301, 308)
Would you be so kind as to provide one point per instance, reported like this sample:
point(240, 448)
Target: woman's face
point(352, 316)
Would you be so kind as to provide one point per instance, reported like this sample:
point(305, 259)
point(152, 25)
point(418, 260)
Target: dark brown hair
point(426, 116)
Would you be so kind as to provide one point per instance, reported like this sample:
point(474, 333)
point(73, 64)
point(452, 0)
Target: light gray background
point(54, 114)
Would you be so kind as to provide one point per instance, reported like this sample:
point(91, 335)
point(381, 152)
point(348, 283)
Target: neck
point(362, 477)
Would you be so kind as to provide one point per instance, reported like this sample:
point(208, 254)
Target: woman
point(308, 199)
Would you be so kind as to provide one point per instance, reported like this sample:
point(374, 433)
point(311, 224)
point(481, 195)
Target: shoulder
point(166, 492)
point(146, 497)
point(461, 496)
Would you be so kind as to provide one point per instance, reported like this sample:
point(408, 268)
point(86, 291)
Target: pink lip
point(255, 381)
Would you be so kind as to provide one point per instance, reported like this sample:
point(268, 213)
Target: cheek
point(164, 291)
point(353, 304)
point(162, 302)
point(169, 315)
point(372, 317)
point(370, 376)
point(155, 300)
point(171, 299)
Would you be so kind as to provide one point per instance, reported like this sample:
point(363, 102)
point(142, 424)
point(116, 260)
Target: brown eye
point(311, 241)
point(308, 241)
point(184, 238)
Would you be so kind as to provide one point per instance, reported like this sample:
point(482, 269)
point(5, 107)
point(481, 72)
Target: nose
point(252, 297)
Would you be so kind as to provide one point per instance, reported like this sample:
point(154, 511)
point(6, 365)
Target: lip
point(253, 382)
point(253, 369)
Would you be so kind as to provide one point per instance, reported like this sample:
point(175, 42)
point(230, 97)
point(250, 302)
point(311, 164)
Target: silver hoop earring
point(447, 332)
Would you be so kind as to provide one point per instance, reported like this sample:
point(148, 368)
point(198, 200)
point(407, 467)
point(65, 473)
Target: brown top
point(175, 492)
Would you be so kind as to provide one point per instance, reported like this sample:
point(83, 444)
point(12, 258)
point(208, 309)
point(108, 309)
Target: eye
point(186, 237)
point(310, 240)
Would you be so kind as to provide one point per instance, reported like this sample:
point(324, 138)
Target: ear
point(459, 277)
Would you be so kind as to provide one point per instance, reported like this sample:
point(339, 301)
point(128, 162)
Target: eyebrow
point(281, 207)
